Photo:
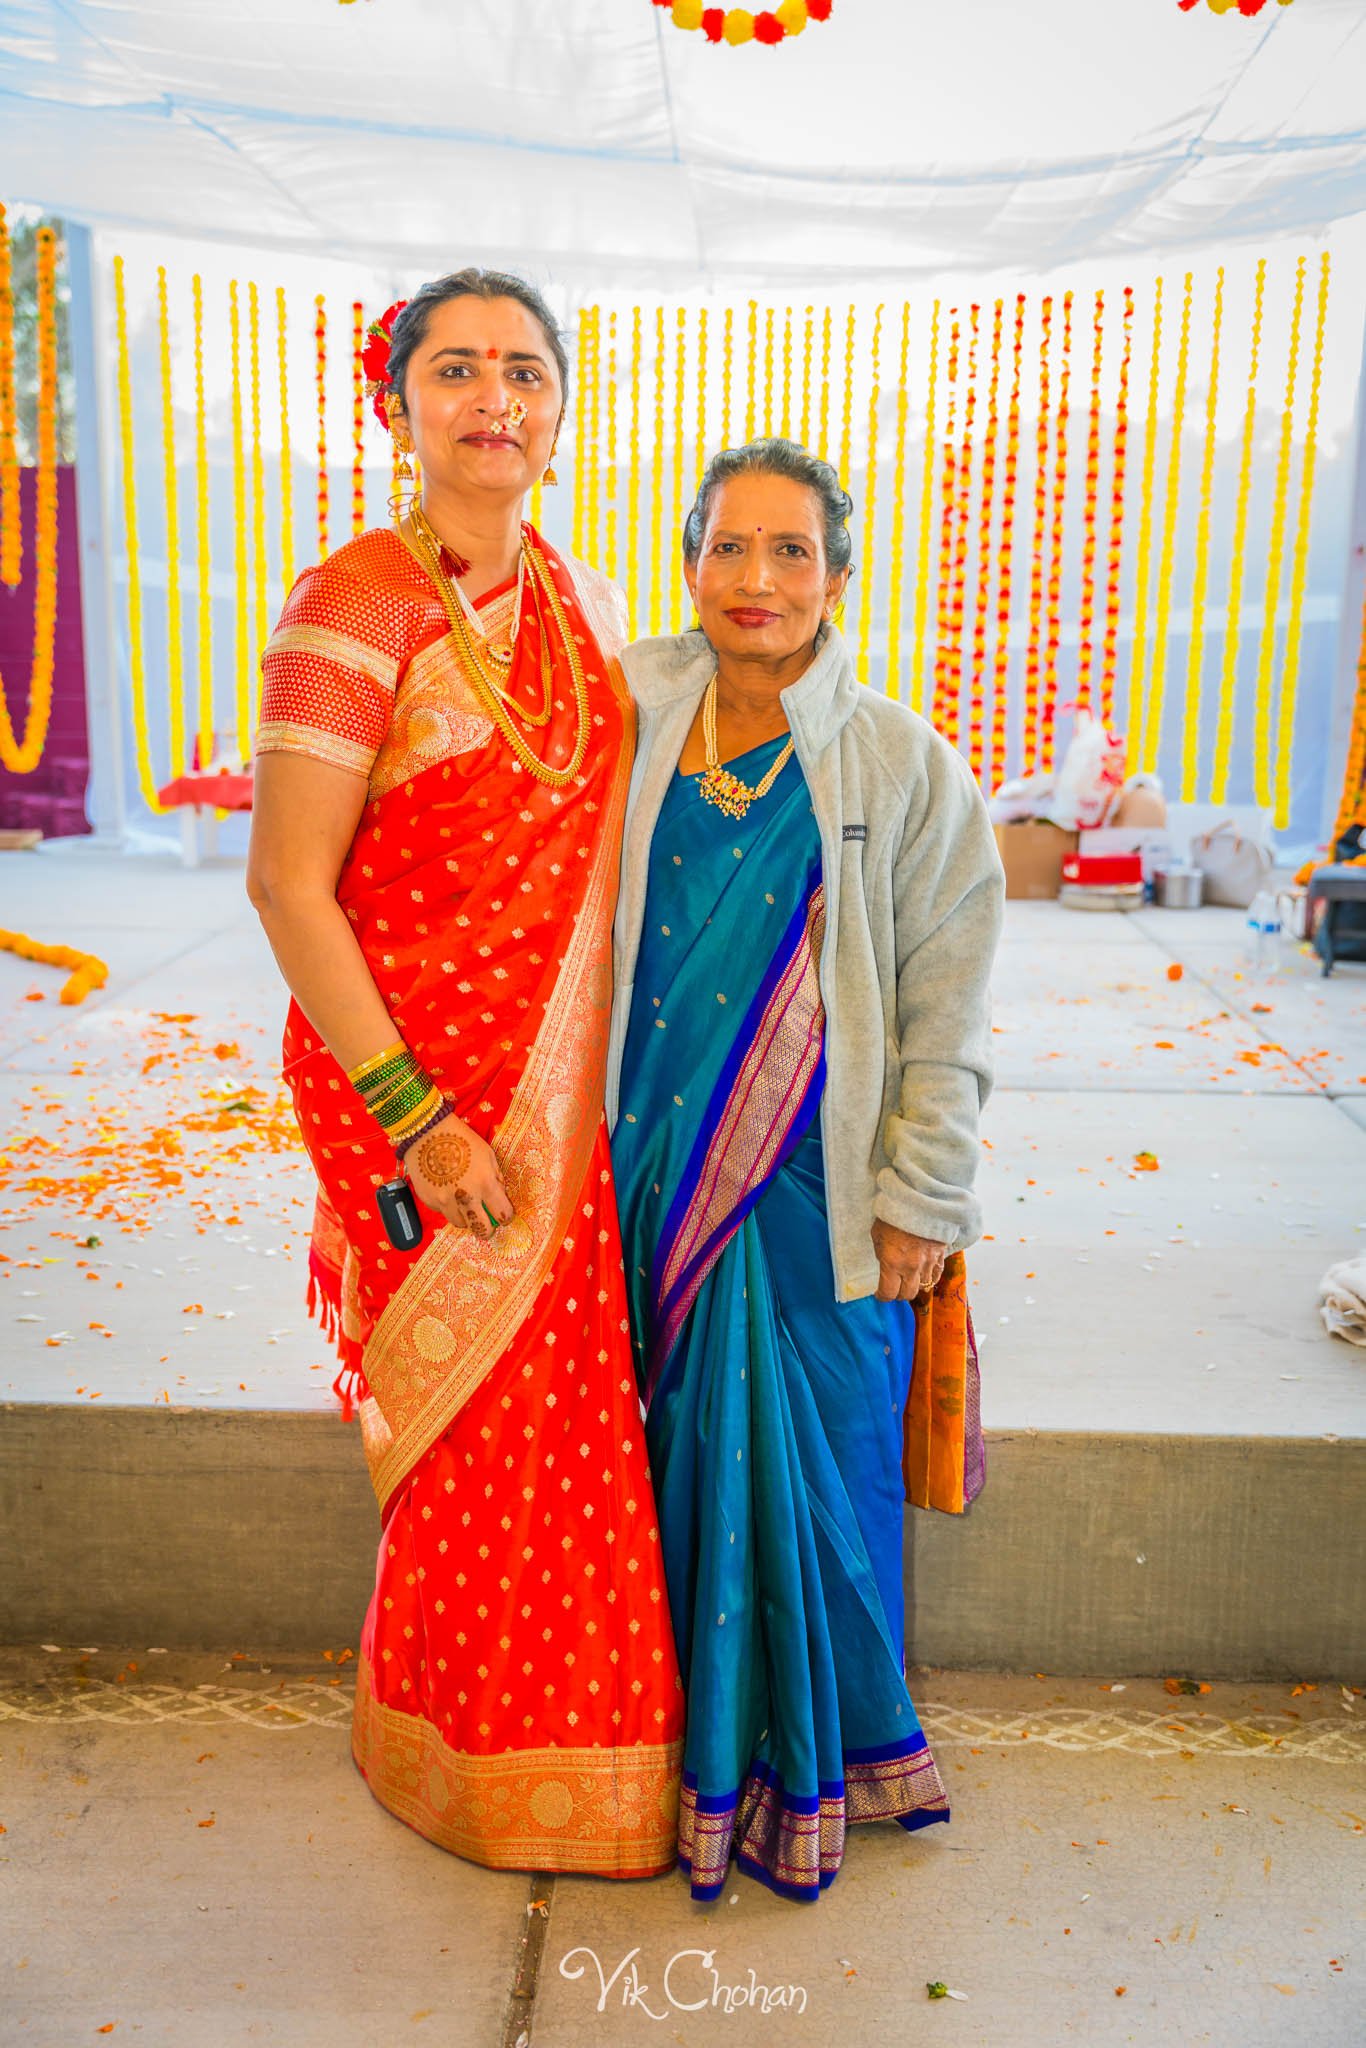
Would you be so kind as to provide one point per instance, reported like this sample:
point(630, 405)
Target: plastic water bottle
point(1263, 930)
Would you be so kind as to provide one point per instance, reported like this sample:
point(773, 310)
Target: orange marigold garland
point(11, 535)
point(977, 702)
point(87, 970)
point(1115, 551)
point(1087, 611)
point(1048, 708)
point(948, 506)
point(923, 531)
point(21, 756)
point(320, 389)
point(963, 495)
point(1030, 752)
point(1005, 563)
point(357, 418)
point(736, 25)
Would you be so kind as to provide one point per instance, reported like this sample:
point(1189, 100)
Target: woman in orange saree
point(458, 769)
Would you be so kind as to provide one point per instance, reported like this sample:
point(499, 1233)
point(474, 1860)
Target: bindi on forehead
point(492, 354)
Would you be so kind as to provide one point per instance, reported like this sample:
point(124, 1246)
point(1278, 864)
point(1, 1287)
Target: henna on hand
point(444, 1158)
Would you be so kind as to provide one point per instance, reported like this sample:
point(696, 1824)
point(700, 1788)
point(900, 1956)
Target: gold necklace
point(494, 662)
point(718, 786)
point(468, 655)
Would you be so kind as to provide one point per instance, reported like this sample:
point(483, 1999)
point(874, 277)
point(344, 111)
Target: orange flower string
point(21, 757)
point(1115, 552)
point(1088, 541)
point(916, 695)
point(320, 388)
point(1005, 552)
point(357, 418)
point(947, 515)
point(1030, 751)
point(963, 496)
point(977, 706)
point(1048, 709)
point(87, 971)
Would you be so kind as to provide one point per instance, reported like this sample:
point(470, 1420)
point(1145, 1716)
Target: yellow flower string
point(137, 673)
point(1223, 738)
point(823, 410)
point(1005, 563)
point(1299, 575)
point(847, 414)
point(657, 485)
point(21, 757)
point(679, 470)
point(897, 540)
point(727, 371)
point(202, 536)
point(242, 663)
point(1087, 609)
point(751, 371)
point(1139, 650)
point(916, 693)
point(963, 508)
point(609, 561)
point(87, 971)
point(1033, 666)
point(982, 599)
point(286, 456)
point(865, 608)
point(1195, 660)
point(785, 423)
point(260, 566)
point(320, 390)
point(578, 523)
point(592, 411)
point(768, 370)
point(1115, 553)
point(1048, 709)
point(357, 418)
point(11, 523)
point(1152, 729)
point(948, 512)
point(808, 338)
point(633, 483)
point(1266, 653)
point(175, 654)
point(701, 461)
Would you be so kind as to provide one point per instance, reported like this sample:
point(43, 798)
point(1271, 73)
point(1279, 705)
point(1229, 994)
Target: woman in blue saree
point(810, 905)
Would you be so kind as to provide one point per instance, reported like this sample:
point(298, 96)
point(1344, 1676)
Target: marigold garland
point(1048, 708)
point(1195, 661)
point(578, 522)
point(1299, 574)
point(320, 391)
point(1005, 561)
point(1142, 572)
point(752, 371)
point(657, 485)
point(1352, 802)
point(727, 371)
point(137, 674)
point(204, 746)
point(865, 609)
point(1115, 551)
point(680, 456)
point(982, 595)
point(962, 510)
point(897, 540)
point(847, 411)
point(589, 413)
point(1223, 739)
point(175, 656)
point(768, 371)
point(701, 451)
point(286, 454)
point(21, 757)
point(808, 343)
point(242, 661)
point(1087, 608)
point(633, 480)
point(785, 420)
point(88, 971)
point(736, 25)
point(926, 522)
point(11, 524)
point(357, 417)
point(609, 560)
point(1030, 747)
point(1152, 732)
point(1266, 653)
point(260, 564)
point(948, 511)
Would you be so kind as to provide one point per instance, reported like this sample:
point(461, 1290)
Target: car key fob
point(399, 1213)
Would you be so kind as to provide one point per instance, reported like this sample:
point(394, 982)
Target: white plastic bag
point(1092, 770)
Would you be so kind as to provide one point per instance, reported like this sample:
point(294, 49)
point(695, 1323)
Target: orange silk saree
point(517, 1693)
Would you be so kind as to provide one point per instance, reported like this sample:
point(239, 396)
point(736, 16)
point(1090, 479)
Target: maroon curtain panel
point(52, 798)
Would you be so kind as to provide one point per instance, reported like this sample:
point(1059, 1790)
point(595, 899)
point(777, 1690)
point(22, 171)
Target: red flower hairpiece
point(374, 359)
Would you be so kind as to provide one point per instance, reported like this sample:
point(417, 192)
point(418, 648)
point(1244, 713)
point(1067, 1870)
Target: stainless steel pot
point(1179, 888)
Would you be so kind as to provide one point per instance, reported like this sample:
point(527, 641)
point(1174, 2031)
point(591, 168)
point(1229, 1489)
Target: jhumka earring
point(548, 475)
point(400, 497)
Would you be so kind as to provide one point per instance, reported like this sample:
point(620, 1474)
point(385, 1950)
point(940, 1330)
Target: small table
point(1339, 883)
point(199, 797)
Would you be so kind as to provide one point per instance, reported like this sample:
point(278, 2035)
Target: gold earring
point(400, 497)
point(548, 475)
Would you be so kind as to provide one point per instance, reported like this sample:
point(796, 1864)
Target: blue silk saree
point(773, 1412)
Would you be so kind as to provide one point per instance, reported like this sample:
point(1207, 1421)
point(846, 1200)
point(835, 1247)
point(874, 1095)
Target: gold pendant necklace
point(494, 662)
point(718, 786)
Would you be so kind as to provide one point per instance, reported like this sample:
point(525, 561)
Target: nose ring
point(516, 413)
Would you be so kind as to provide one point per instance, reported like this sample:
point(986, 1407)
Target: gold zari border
point(325, 643)
point(282, 738)
point(598, 1812)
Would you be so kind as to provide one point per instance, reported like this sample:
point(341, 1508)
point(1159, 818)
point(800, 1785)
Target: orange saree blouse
point(517, 1695)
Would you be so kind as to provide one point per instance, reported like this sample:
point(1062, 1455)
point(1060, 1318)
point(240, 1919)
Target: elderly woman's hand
point(907, 1265)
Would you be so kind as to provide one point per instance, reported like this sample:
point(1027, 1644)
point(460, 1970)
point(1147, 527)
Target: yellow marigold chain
point(21, 756)
point(11, 528)
point(137, 672)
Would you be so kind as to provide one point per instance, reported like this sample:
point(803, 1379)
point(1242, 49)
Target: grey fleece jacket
point(914, 904)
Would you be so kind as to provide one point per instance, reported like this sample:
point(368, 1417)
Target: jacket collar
point(676, 668)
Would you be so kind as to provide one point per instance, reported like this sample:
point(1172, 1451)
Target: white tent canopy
point(593, 138)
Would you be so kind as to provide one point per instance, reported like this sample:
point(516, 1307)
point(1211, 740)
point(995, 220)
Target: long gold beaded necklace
point(718, 786)
point(494, 659)
point(424, 545)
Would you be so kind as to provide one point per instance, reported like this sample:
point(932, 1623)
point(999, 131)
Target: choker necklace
point(718, 785)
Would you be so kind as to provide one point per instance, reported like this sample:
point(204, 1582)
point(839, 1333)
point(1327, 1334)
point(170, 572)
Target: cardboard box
point(1032, 856)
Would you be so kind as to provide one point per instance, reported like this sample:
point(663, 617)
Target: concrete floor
point(193, 1862)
